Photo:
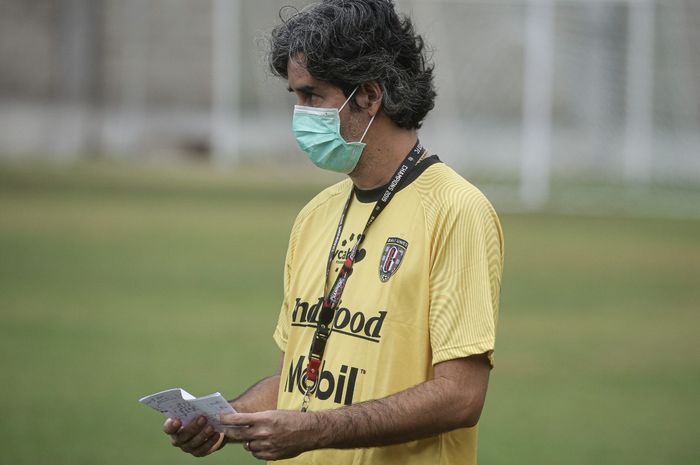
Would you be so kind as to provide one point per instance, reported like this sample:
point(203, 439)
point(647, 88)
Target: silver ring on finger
point(247, 445)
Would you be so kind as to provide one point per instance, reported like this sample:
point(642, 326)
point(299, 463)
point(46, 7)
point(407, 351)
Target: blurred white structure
point(529, 91)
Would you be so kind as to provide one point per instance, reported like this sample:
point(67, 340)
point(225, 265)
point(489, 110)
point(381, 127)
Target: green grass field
point(117, 283)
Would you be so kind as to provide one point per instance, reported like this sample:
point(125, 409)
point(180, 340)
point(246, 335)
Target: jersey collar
point(372, 195)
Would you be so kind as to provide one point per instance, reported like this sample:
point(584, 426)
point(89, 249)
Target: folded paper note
point(181, 405)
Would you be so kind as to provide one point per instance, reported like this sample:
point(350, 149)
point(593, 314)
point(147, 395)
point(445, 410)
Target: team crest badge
point(394, 250)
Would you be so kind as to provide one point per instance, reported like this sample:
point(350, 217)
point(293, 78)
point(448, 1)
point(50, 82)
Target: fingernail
point(201, 421)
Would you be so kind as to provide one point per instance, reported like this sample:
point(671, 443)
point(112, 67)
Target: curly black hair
point(349, 42)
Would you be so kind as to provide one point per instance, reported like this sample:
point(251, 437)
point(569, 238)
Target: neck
point(382, 156)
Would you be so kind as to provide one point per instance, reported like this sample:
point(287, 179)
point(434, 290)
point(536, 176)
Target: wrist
point(237, 406)
point(317, 430)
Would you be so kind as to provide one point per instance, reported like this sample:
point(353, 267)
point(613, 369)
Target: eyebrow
point(304, 89)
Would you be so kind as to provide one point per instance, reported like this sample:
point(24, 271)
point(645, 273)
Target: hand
point(197, 438)
point(272, 435)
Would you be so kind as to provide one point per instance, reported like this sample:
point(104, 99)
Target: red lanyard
point(331, 300)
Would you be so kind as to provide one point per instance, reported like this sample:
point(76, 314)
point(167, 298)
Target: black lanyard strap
point(332, 297)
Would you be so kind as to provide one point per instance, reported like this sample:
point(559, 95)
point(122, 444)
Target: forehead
point(298, 77)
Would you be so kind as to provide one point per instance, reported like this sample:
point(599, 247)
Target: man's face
point(311, 92)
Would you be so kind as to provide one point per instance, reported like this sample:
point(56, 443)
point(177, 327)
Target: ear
point(369, 97)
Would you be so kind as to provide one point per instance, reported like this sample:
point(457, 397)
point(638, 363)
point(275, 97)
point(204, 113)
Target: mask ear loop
point(370, 121)
point(370, 124)
point(348, 99)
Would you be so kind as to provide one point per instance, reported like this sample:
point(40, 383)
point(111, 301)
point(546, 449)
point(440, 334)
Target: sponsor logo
point(339, 386)
point(355, 324)
point(344, 250)
point(394, 251)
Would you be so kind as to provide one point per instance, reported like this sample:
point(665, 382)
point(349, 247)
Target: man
point(387, 338)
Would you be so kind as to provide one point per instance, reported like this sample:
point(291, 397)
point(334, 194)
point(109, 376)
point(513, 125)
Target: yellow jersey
point(424, 289)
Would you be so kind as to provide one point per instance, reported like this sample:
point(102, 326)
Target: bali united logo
point(394, 250)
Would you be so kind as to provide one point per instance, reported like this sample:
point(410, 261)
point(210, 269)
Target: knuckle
point(167, 425)
point(190, 429)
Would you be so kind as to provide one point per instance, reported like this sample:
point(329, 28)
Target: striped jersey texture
point(425, 289)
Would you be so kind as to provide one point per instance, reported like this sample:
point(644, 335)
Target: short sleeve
point(465, 278)
point(281, 333)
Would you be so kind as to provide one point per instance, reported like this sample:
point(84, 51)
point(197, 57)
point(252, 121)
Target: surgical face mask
point(317, 131)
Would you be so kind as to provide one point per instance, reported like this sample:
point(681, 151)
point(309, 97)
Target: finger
point(239, 419)
point(188, 432)
point(264, 455)
point(171, 426)
point(200, 438)
point(255, 446)
point(239, 434)
point(270, 455)
point(208, 446)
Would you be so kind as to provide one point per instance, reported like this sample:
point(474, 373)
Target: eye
point(304, 98)
point(308, 98)
point(313, 99)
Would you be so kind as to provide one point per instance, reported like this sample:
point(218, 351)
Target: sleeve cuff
point(280, 339)
point(450, 353)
